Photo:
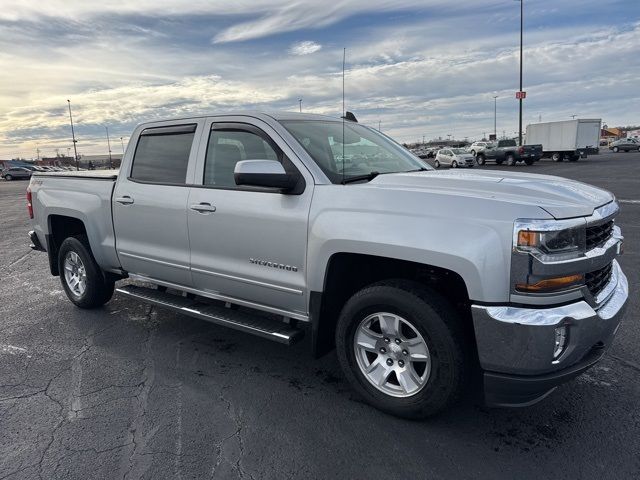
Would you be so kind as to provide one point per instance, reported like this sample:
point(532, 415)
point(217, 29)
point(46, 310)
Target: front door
point(248, 244)
point(150, 203)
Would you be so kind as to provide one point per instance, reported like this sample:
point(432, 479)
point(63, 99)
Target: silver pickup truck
point(281, 224)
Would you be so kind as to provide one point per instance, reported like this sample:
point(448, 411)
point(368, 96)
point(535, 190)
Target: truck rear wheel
point(82, 278)
point(529, 161)
point(556, 157)
point(402, 348)
point(480, 159)
point(511, 160)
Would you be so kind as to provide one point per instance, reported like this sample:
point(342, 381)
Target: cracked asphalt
point(128, 391)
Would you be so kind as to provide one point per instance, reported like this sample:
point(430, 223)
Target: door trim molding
point(248, 281)
point(225, 298)
point(153, 260)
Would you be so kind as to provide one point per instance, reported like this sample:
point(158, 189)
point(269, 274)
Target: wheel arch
point(61, 227)
point(346, 273)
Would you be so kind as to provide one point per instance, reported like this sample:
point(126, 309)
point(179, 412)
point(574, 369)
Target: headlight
point(561, 239)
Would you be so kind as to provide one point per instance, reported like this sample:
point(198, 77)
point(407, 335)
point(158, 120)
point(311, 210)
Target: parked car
point(420, 280)
point(15, 173)
point(478, 147)
point(453, 157)
point(509, 151)
point(625, 144)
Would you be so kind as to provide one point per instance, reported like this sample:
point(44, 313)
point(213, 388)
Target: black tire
point(99, 288)
point(473, 152)
point(556, 157)
point(615, 149)
point(480, 160)
point(511, 160)
point(8, 178)
point(499, 161)
point(436, 164)
point(437, 322)
point(454, 164)
point(529, 161)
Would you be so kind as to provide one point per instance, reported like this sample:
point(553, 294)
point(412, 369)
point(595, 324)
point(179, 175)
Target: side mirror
point(264, 173)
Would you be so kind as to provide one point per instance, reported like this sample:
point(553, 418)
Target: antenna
point(344, 56)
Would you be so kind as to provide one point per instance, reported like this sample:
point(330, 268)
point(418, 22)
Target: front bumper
point(515, 345)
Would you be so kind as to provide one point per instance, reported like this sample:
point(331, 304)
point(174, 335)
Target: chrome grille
point(598, 279)
point(597, 235)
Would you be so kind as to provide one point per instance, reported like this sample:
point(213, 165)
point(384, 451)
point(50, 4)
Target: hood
point(560, 197)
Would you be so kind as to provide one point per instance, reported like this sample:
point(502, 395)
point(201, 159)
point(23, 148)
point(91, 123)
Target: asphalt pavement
point(128, 391)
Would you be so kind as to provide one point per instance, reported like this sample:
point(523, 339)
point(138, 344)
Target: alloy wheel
point(392, 355)
point(75, 274)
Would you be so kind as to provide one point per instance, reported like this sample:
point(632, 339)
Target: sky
point(415, 68)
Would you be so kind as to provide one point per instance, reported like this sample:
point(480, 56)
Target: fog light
point(562, 337)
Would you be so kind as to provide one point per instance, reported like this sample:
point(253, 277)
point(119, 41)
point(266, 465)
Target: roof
point(276, 115)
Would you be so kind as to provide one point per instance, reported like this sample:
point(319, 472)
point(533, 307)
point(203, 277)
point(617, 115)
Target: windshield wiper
point(421, 169)
point(358, 178)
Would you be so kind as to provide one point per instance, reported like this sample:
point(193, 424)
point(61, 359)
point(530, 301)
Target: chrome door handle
point(125, 200)
point(203, 207)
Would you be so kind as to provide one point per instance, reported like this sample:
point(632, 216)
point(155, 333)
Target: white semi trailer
point(566, 140)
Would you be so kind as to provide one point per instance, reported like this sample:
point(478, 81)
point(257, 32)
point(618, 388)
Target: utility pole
point(109, 147)
point(520, 99)
point(73, 136)
point(495, 116)
point(300, 104)
point(573, 116)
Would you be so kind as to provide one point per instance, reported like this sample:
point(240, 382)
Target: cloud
point(304, 48)
point(427, 72)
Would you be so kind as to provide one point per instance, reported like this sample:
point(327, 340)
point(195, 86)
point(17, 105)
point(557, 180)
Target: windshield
point(459, 151)
point(363, 151)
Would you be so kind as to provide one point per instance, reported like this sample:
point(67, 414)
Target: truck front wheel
point(82, 279)
point(402, 348)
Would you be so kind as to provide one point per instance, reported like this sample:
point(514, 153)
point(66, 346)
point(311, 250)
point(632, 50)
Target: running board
point(238, 320)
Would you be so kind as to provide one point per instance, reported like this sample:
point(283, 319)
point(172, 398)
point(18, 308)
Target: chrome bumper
point(521, 341)
point(515, 345)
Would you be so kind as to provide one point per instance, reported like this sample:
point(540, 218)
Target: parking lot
point(128, 391)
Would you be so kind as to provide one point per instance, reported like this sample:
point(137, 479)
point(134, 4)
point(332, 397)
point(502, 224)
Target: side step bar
point(245, 322)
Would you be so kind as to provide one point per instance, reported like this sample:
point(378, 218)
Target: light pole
point(573, 116)
point(520, 96)
point(495, 116)
point(109, 147)
point(73, 136)
point(122, 143)
point(300, 104)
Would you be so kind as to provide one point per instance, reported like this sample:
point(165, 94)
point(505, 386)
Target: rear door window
point(162, 154)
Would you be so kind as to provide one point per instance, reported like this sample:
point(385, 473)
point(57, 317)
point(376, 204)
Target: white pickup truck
point(280, 224)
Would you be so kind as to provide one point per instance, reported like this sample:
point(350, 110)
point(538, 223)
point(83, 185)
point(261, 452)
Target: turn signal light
point(550, 284)
point(527, 238)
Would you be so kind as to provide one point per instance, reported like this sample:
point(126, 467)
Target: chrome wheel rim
point(75, 274)
point(392, 355)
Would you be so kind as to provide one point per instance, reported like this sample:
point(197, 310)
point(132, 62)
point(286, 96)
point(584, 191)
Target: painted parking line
point(629, 201)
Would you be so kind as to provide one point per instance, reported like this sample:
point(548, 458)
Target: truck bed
point(93, 174)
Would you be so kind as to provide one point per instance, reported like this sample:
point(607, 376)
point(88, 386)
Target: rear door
point(150, 202)
point(248, 244)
